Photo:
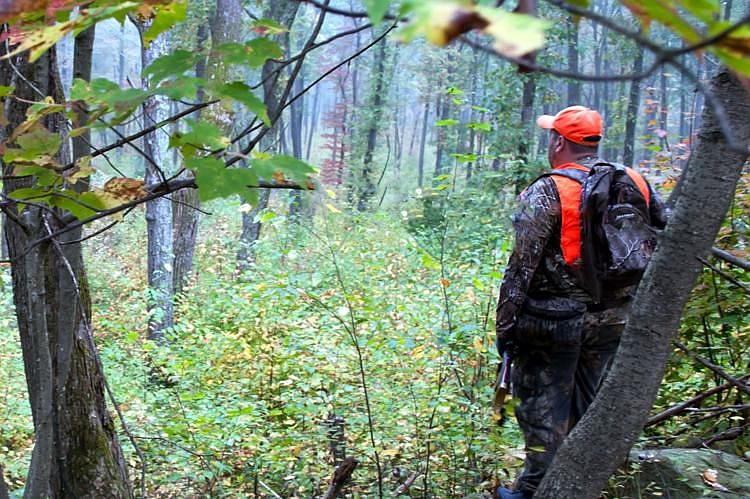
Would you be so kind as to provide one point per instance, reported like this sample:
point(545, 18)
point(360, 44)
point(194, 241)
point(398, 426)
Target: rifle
point(502, 387)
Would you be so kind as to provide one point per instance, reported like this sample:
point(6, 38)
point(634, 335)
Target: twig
point(714, 368)
point(723, 274)
point(249, 148)
point(676, 409)
point(269, 489)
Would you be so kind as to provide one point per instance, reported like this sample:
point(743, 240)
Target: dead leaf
point(125, 189)
point(710, 478)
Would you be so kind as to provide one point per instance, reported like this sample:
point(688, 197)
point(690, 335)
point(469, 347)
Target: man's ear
point(559, 143)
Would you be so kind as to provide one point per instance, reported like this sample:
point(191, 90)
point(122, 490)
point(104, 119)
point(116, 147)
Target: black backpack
point(617, 237)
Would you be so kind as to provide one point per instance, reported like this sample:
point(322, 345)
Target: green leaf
point(377, 9)
point(185, 87)
point(45, 177)
point(447, 122)
point(202, 135)
point(216, 181)
point(173, 64)
point(292, 168)
point(268, 27)
point(243, 94)
point(167, 15)
point(514, 34)
point(484, 127)
point(253, 53)
point(39, 141)
point(70, 203)
point(30, 194)
point(5, 91)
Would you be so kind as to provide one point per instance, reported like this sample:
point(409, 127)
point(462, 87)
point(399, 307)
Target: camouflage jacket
point(536, 265)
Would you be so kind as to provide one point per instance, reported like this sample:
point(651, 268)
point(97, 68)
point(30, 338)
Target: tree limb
point(676, 409)
point(714, 368)
point(340, 478)
point(730, 258)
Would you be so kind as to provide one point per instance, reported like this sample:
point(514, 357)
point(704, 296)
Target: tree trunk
point(422, 144)
point(312, 122)
point(527, 115)
point(283, 13)
point(76, 450)
point(295, 131)
point(158, 211)
point(631, 116)
point(663, 107)
point(185, 202)
point(574, 86)
point(376, 102)
point(601, 441)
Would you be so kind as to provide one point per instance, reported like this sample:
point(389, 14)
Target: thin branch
point(681, 407)
point(714, 368)
point(130, 138)
point(730, 258)
point(347, 13)
point(725, 275)
point(289, 84)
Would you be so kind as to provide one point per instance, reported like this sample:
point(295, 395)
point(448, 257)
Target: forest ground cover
point(242, 400)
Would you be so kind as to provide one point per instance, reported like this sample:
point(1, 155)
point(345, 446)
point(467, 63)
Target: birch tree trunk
point(158, 211)
point(602, 439)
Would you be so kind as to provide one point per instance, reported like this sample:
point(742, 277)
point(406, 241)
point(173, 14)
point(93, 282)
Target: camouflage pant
point(555, 381)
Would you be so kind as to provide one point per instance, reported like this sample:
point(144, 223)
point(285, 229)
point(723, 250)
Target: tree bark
point(158, 211)
point(601, 441)
point(366, 185)
point(527, 115)
point(423, 143)
point(574, 86)
point(283, 13)
point(76, 451)
point(185, 205)
point(631, 117)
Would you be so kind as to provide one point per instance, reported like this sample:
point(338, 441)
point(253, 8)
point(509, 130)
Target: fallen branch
point(730, 434)
point(341, 477)
point(676, 409)
point(725, 275)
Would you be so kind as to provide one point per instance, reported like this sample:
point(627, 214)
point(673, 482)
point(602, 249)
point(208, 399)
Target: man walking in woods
point(560, 335)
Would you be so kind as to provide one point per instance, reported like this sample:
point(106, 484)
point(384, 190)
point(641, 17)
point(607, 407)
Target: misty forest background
point(356, 319)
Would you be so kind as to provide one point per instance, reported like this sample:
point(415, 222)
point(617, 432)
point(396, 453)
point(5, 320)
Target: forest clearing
point(255, 248)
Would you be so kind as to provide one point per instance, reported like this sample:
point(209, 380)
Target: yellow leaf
point(478, 344)
point(332, 208)
point(445, 282)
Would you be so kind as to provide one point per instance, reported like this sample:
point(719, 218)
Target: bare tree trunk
point(295, 131)
point(602, 439)
point(422, 144)
point(663, 107)
point(312, 122)
point(76, 450)
point(574, 86)
point(158, 211)
point(527, 115)
point(376, 102)
point(631, 117)
point(185, 202)
point(283, 13)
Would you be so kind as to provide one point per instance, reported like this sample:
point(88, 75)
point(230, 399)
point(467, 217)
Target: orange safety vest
point(570, 208)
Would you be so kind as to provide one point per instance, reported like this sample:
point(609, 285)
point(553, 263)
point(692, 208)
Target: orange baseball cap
point(578, 124)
